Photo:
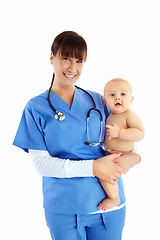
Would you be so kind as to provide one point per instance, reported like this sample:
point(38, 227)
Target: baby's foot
point(108, 203)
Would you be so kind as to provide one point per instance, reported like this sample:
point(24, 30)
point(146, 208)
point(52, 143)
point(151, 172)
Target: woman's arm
point(103, 168)
point(49, 166)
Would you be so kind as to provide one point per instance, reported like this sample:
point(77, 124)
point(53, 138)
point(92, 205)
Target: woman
point(53, 129)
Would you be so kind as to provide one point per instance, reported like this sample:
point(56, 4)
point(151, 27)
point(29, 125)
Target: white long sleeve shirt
point(49, 166)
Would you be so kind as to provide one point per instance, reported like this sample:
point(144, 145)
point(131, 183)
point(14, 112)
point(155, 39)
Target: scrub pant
point(105, 226)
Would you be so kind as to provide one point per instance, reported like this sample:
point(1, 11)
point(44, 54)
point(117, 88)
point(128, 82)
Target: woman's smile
point(69, 76)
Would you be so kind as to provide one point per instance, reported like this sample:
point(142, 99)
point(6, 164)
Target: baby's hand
point(112, 131)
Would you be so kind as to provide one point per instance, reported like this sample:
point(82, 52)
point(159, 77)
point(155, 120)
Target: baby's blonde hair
point(118, 80)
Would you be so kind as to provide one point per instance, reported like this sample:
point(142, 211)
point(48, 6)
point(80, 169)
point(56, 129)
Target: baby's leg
point(112, 199)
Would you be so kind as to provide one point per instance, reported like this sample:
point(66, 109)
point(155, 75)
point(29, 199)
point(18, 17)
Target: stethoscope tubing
point(60, 116)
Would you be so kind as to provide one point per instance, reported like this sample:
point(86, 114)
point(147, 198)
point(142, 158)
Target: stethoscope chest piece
point(59, 116)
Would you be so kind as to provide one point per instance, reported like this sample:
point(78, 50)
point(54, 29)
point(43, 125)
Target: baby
point(123, 128)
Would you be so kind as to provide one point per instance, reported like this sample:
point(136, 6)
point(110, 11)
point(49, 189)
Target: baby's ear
point(132, 98)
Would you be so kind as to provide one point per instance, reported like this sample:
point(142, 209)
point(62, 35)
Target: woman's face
point(67, 69)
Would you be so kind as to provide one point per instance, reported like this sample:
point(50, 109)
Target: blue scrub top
point(66, 139)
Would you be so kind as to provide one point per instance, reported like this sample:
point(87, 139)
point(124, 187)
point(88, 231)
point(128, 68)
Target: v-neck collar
point(58, 102)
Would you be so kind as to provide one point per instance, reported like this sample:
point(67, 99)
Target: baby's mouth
point(118, 104)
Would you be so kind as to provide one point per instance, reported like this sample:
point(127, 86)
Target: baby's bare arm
point(128, 160)
point(135, 131)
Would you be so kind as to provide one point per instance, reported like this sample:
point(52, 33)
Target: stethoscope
point(60, 117)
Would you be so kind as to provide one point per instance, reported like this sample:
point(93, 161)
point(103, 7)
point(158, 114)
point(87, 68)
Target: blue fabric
point(105, 226)
point(40, 130)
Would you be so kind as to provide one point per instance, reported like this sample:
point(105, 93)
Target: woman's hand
point(107, 169)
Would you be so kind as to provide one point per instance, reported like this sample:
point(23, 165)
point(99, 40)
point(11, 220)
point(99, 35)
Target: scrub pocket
point(114, 222)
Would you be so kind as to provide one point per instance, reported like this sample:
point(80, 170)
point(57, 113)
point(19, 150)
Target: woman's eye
point(79, 61)
point(66, 58)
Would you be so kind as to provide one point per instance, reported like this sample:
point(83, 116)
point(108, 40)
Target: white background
point(123, 41)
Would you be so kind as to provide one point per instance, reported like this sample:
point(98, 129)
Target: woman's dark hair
point(69, 44)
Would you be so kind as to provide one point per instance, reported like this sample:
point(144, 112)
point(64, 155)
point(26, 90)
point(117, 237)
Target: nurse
point(58, 149)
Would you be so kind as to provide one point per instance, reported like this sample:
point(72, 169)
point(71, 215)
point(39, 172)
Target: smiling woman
point(60, 151)
point(67, 69)
point(68, 53)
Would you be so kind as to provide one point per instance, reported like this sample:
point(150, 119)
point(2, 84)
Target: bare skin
point(126, 161)
point(114, 165)
point(123, 128)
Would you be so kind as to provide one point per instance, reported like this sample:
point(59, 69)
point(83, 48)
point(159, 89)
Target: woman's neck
point(66, 93)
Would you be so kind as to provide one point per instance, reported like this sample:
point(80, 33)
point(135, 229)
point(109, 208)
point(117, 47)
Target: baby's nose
point(117, 98)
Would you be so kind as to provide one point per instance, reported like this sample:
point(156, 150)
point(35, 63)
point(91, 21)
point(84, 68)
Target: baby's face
point(118, 96)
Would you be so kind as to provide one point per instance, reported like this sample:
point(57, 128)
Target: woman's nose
point(72, 68)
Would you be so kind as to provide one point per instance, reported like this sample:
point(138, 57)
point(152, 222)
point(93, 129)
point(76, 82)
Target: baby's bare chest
point(119, 119)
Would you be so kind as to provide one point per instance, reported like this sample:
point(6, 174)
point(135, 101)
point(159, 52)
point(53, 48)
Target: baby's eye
point(112, 94)
point(123, 94)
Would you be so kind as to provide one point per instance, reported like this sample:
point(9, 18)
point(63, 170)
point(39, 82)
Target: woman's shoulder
point(95, 94)
point(39, 98)
point(38, 101)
